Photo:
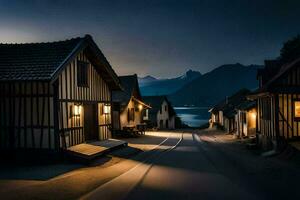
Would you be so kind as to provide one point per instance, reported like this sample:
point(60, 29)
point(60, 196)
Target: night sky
point(161, 38)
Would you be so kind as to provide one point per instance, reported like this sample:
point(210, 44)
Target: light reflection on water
point(193, 116)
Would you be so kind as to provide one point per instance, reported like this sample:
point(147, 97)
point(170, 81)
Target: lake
point(193, 116)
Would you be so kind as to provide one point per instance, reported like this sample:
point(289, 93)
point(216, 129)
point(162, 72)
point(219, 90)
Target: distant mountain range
point(196, 89)
point(153, 86)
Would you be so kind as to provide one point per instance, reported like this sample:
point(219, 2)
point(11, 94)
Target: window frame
point(80, 75)
point(130, 114)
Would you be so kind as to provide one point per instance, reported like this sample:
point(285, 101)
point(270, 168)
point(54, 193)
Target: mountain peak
point(211, 87)
point(150, 86)
point(148, 78)
point(190, 74)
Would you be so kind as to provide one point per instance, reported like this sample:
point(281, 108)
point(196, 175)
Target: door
point(116, 116)
point(161, 123)
point(91, 122)
point(116, 120)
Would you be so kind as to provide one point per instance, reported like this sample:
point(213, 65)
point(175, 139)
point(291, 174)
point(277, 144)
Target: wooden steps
point(93, 149)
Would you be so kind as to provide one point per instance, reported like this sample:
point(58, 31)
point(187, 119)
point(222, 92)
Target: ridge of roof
point(44, 60)
point(231, 102)
point(129, 83)
point(69, 56)
point(283, 69)
point(156, 101)
point(37, 43)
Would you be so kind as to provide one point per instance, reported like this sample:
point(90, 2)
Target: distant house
point(216, 112)
point(129, 109)
point(246, 119)
point(224, 113)
point(278, 102)
point(229, 121)
point(54, 95)
point(162, 114)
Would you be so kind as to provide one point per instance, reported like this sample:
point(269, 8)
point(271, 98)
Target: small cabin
point(216, 114)
point(278, 102)
point(54, 95)
point(162, 114)
point(229, 121)
point(129, 109)
point(224, 113)
point(246, 119)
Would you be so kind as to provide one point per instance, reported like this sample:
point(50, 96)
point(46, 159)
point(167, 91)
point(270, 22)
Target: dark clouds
point(163, 38)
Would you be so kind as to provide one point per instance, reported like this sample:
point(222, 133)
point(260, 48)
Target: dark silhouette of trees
point(290, 50)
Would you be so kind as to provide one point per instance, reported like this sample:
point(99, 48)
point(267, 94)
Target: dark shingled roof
point(229, 105)
point(219, 106)
point(155, 102)
point(282, 69)
point(233, 101)
point(269, 71)
point(130, 88)
point(34, 61)
point(43, 61)
point(246, 105)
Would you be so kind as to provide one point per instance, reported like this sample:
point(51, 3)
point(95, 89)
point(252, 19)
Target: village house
point(216, 114)
point(224, 113)
point(129, 109)
point(278, 103)
point(54, 95)
point(162, 114)
point(246, 119)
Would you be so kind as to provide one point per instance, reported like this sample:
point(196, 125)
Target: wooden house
point(129, 109)
point(246, 119)
point(278, 102)
point(224, 113)
point(54, 95)
point(216, 114)
point(229, 121)
point(161, 114)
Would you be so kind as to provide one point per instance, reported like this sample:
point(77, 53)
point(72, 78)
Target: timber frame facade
point(224, 113)
point(43, 105)
point(246, 119)
point(129, 108)
point(162, 114)
point(276, 99)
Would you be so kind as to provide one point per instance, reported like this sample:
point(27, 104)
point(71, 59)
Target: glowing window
point(297, 109)
point(106, 109)
point(75, 110)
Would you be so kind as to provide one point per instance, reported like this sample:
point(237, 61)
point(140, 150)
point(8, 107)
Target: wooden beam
point(276, 119)
point(56, 115)
point(43, 117)
point(19, 115)
point(49, 116)
point(10, 132)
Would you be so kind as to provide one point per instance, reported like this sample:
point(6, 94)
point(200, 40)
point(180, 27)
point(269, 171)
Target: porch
point(92, 149)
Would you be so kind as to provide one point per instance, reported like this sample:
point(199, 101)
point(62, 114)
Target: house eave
point(140, 102)
point(258, 95)
point(87, 41)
